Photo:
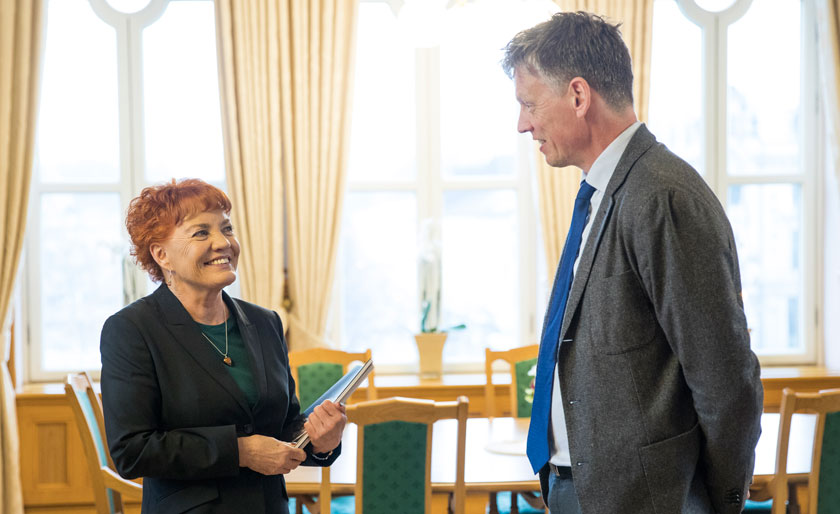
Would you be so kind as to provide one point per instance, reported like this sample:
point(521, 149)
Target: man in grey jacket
point(648, 397)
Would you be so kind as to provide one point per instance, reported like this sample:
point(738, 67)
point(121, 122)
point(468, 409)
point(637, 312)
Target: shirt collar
point(602, 169)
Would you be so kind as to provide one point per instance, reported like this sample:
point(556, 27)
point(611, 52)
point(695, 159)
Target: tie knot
point(585, 192)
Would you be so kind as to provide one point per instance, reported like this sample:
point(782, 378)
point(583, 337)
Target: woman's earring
point(169, 282)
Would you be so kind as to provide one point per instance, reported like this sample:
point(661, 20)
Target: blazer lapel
point(251, 339)
point(641, 141)
point(185, 332)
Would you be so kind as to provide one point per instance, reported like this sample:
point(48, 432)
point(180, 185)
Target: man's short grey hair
point(578, 44)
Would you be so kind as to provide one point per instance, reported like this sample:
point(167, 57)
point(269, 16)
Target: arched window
point(129, 97)
point(734, 90)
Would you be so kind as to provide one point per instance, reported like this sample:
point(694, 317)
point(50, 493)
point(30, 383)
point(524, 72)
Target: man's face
point(549, 117)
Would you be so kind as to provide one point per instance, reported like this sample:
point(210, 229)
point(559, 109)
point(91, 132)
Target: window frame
point(430, 185)
point(128, 28)
point(714, 26)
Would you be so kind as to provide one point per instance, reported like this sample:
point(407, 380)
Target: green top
point(240, 371)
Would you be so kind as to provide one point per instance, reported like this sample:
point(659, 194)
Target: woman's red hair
point(155, 213)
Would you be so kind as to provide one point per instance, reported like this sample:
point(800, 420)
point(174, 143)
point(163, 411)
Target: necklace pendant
point(228, 361)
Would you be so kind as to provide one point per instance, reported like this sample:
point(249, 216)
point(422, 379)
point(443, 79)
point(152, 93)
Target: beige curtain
point(558, 187)
point(248, 36)
point(286, 70)
point(20, 52)
point(317, 67)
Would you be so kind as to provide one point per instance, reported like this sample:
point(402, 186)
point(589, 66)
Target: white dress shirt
point(598, 177)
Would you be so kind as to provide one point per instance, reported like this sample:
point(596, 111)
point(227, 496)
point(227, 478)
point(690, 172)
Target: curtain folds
point(286, 69)
point(316, 63)
point(20, 54)
point(248, 40)
point(558, 187)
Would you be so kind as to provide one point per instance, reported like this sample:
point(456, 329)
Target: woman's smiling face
point(202, 251)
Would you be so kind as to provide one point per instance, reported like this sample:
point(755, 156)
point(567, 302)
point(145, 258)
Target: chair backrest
point(523, 366)
point(90, 421)
point(317, 369)
point(824, 477)
point(394, 453)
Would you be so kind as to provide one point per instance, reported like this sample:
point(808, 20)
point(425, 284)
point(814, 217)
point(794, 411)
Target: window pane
point(181, 95)
point(767, 221)
point(78, 128)
point(383, 136)
point(128, 6)
point(676, 96)
point(480, 272)
point(81, 275)
point(379, 275)
point(764, 121)
point(714, 5)
point(477, 107)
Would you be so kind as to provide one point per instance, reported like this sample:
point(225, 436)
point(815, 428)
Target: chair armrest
point(126, 488)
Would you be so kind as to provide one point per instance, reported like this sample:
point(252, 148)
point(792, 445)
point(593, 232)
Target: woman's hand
point(325, 426)
point(268, 455)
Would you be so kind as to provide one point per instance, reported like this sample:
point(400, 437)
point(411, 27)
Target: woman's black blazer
point(173, 412)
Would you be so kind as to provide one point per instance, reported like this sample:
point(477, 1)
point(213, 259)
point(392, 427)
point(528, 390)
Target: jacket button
point(732, 496)
point(248, 429)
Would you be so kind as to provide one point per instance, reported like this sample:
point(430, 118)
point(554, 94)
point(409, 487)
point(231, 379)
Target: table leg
point(440, 502)
point(793, 499)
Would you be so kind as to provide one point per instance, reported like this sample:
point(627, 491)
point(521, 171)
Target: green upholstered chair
point(824, 478)
point(394, 454)
point(522, 362)
point(315, 371)
point(108, 487)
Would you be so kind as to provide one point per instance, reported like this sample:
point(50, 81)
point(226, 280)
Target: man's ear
point(581, 95)
point(159, 255)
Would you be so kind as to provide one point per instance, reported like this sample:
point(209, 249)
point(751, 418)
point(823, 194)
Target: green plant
point(425, 328)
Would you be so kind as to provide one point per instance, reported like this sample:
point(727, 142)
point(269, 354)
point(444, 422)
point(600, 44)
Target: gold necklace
point(227, 360)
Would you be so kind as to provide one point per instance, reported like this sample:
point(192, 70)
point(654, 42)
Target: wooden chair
point(108, 487)
point(394, 454)
point(823, 480)
point(522, 361)
point(315, 371)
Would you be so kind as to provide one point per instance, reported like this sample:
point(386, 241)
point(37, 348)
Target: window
point(129, 97)
point(734, 91)
point(437, 167)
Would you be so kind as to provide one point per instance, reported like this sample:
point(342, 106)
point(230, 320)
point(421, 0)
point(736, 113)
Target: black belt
point(560, 471)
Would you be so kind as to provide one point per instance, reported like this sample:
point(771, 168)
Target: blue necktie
point(541, 408)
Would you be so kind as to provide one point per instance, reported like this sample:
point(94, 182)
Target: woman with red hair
point(196, 387)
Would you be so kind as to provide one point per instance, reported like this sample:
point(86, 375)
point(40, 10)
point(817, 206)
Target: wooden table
point(799, 453)
point(496, 460)
point(489, 464)
point(452, 385)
